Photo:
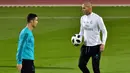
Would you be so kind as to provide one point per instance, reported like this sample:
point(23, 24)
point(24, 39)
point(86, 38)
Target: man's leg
point(33, 68)
point(24, 66)
point(96, 59)
point(83, 60)
point(28, 66)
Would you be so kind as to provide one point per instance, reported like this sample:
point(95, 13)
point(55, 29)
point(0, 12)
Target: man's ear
point(31, 21)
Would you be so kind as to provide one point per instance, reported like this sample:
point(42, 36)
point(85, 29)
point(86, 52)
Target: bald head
point(87, 8)
point(87, 4)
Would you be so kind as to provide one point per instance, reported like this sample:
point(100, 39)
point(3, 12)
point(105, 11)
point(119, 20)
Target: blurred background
point(119, 2)
point(58, 22)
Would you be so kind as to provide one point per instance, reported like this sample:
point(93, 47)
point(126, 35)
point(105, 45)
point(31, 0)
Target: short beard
point(33, 26)
point(88, 13)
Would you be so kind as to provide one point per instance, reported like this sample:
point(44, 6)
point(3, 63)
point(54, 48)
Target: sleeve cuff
point(103, 43)
point(19, 62)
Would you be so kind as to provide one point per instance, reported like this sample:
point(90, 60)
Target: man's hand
point(102, 46)
point(19, 67)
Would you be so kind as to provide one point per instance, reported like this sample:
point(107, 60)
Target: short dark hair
point(31, 16)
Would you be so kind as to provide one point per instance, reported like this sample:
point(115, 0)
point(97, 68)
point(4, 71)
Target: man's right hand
point(19, 67)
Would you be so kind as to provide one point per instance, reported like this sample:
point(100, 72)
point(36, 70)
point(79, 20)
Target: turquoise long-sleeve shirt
point(25, 48)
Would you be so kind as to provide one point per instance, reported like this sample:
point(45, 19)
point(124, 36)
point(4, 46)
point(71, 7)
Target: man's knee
point(81, 66)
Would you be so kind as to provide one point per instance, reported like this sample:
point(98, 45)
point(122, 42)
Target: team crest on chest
point(88, 23)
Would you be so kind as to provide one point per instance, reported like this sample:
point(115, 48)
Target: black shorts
point(28, 66)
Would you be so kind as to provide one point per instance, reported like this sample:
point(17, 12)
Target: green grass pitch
point(54, 52)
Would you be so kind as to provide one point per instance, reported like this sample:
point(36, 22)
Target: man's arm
point(103, 29)
point(21, 44)
point(81, 27)
point(104, 33)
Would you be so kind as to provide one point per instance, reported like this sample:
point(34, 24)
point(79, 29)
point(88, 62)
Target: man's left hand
point(102, 46)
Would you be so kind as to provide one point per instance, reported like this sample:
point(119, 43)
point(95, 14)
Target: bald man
point(91, 25)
